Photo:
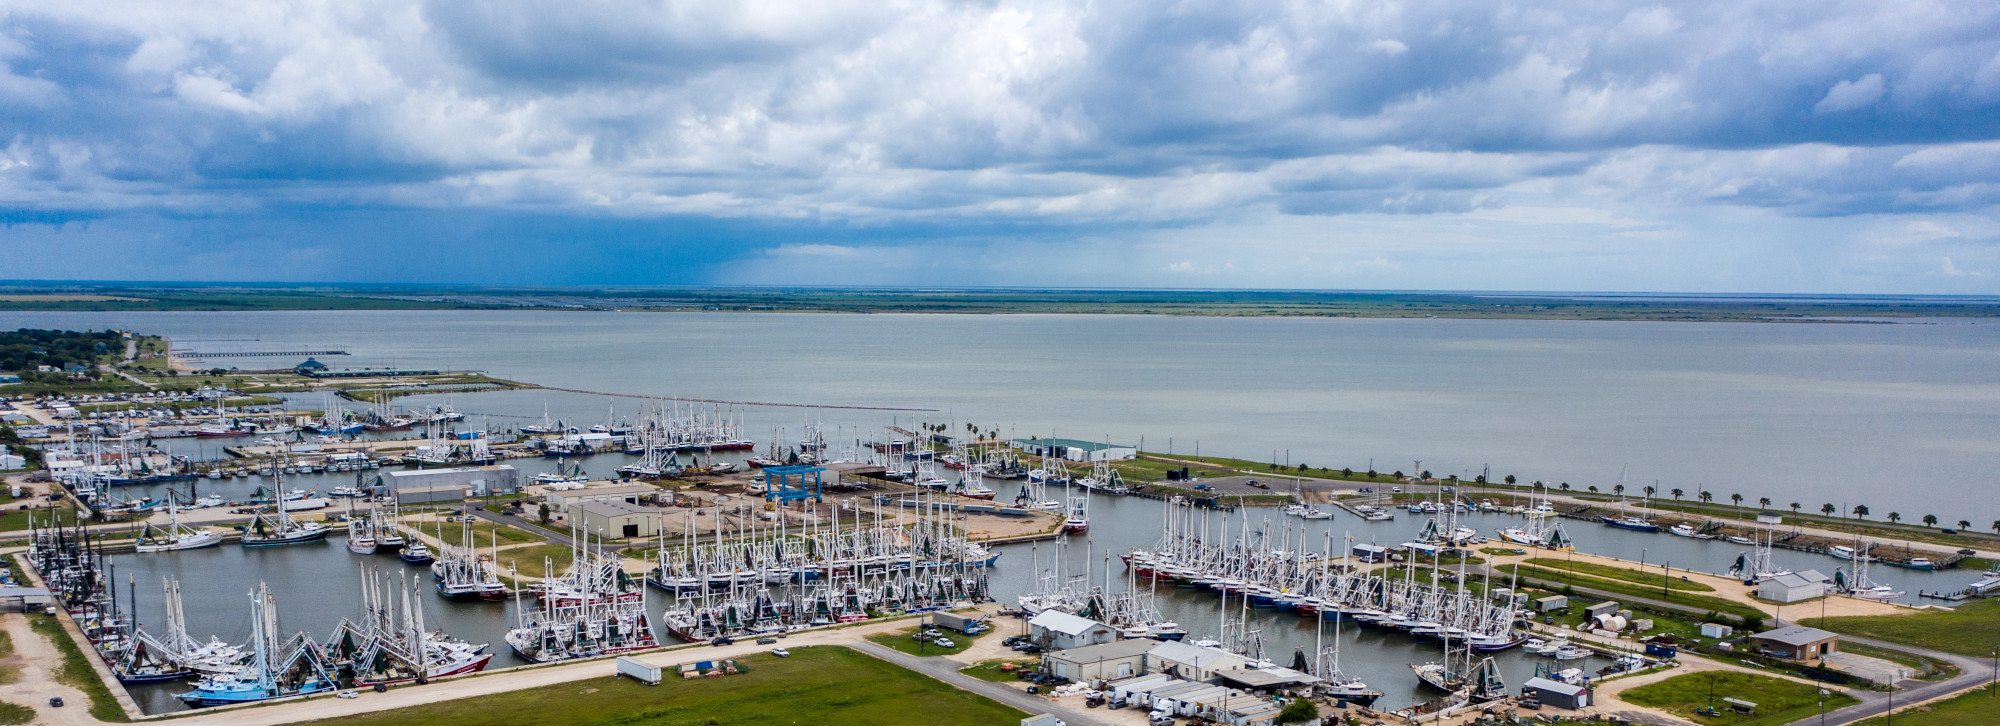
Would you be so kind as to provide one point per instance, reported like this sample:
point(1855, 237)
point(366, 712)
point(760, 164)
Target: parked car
point(943, 643)
point(724, 640)
point(348, 694)
point(781, 652)
point(1203, 488)
point(1258, 484)
point(766, 641)
point(56, 702)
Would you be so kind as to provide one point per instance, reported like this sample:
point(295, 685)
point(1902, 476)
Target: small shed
point(24, 599)
point(616, 520)
point(1604, 608)
point(1117, 659)
point(1716, 630)
point(1551, 603)
point(1789, 587)
point(1797, 642)
point(1557, 693)
point(1057, 630)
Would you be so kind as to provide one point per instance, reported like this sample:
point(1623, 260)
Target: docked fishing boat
point(175, 536)
point(390, 644)
point(1636, 524)
point(415, 553)
point(281, 528)
point(277, 669)
point(360, 533)
point(1682, 530)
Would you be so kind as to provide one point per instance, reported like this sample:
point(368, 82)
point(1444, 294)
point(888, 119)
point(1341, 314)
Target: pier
point(261, 354)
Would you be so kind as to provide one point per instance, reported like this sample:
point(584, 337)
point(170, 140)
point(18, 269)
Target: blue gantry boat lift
point(788, 483)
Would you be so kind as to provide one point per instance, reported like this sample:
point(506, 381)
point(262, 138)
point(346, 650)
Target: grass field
point(482, 533)
point(989, 670)
point(900, 640)
point(76, 671)
point(14, 713)
point(529, 561)
point(16, 519)
point(1558, 578)
point(1779, 701)
point(821, 686)
point(1650, 579)
point(1969, 629)
point(1978, 707)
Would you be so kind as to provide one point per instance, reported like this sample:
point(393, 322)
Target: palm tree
point(1736, 499)
point(1965, 524)
point(1707, 496)
point(1565, 487)
point(1895, 517)
point(1795, 507)
point(1827, 509)
point(1618, 489)
point(1996, 525)
point(1764, 502)
point(1677, 493)
point(1861, 511)
point(1930, 520)
point(1649, 492)
point(1509, 480)
point(1593, 488)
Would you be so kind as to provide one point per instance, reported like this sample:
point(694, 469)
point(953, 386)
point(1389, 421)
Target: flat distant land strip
point(1214, 303)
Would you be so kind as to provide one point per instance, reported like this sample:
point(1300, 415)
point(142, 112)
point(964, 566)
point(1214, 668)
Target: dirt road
point(35, 656)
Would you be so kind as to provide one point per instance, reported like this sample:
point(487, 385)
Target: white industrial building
point(1076, 449)
point(562, 501)
point(616, 520)
point(1056, 630)
point(1790, 587)
point(1192, 662)
point(1116, 659)
point(478, 481)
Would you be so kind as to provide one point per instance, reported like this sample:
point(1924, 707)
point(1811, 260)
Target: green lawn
point(482, 533)
point(1969, 629)
point(1779, 701)
point(529, 561)
point(821, 686)
point(1558, 578)
point(75, 670)
point(989, 670)
point(14, 713)
point(1627, 574)
point(15, 519)
point(901, 640)
point(8, 674)
point(1978, 707)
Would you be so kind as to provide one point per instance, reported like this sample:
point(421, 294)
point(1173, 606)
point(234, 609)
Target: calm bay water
point(1901, 417)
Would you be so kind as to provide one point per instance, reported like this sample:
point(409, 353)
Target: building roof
point(1790, 579)
point(1193, 655)
point(1106, 651)
point(1074, 444)
point(613, 509)
point(24, 592)
point(413, 473)
point(617, 491)
point(1815, 576)
point(1544, 684)
point(1063, 622)
point(1795, 635)
point(1267, 677)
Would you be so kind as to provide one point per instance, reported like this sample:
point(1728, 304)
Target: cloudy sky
point(1730, 146)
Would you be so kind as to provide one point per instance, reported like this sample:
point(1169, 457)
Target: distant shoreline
point(1661, 307)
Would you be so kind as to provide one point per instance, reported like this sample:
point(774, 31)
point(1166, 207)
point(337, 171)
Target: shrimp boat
point(970, 486)
point(1077, 512)
point(1858, 585)
point(360, 533)
point(593, 617)
point(277, 670)
point(281, 529)
point(391, 645)
point(464, 574)
point(175, 536)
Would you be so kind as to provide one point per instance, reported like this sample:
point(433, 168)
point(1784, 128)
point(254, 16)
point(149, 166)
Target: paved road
point(1973, 673)
point(946, 670)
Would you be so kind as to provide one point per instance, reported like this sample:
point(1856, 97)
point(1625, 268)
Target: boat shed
point(1796, 642)
point(1551, 603)
point(1116, 659)
point(479, 480)
point(616, 520)
point(1193, 662)
point(1265, 680)
point(1076, 449)
point(24, 599)
point(430, 495)
point(1057, 630)
point(562, 501)
point(1557, 693)
point(1789, 587)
